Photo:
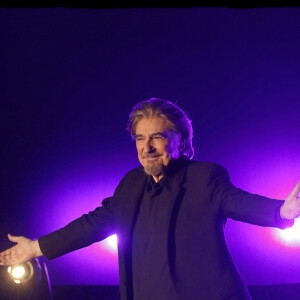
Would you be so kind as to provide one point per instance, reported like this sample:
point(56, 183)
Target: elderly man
point(169, 216)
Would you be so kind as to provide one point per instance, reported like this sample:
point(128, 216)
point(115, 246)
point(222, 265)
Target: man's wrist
point(281, 214)
point(36, 248)
point(284, 222)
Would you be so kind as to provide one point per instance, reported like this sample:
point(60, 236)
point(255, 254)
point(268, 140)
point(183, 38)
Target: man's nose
point(149, 146)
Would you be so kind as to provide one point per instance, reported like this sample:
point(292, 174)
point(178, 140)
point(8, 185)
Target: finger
point(6, 259)
point(295, 191)
point(2, 262)
point(14, 239)
point(6, 262)
point(5, 253)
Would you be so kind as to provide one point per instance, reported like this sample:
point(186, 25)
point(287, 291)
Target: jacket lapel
point(176, 188)
point(130, 199)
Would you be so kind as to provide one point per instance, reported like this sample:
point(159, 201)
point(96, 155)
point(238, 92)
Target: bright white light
point(112, 242)
point(291, 235)
point(18, 272)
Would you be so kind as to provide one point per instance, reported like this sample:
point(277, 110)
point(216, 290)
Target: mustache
point(150, 155)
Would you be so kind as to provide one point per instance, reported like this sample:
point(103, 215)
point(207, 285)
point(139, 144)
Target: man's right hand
point(25, 250)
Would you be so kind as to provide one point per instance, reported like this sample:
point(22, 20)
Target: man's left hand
point(290, 209)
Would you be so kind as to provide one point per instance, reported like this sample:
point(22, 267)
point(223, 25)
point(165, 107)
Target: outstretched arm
point(25, 250)
point(89, 228)
point(234, 203)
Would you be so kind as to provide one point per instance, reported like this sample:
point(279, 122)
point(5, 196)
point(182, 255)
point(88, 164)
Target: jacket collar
point(134, 189)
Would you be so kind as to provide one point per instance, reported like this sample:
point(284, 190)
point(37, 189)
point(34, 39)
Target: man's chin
point(154, 169)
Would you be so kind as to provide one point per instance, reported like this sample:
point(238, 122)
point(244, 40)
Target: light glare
point(112, 242)
point(291, 235)
point(21, 273)
point(18, 272)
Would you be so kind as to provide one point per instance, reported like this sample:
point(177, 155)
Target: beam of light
point(112, 242)
point(290, 236)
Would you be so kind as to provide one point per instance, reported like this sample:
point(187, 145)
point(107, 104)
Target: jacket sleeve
point(83, 231)
point(234, 203)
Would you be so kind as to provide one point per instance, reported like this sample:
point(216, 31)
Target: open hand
point(25, 250)
point(290, 209)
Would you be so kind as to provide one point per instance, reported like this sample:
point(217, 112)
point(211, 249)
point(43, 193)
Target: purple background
point(69, 78)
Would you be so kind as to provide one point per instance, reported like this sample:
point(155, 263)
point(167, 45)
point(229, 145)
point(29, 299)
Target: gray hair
point(178, 119)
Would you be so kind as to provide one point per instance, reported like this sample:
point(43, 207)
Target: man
point(169, 215)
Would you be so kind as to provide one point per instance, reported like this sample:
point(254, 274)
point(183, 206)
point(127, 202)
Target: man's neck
point(157, 178)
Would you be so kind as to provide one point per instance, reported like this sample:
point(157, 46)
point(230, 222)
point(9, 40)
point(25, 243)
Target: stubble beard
point(155, 169)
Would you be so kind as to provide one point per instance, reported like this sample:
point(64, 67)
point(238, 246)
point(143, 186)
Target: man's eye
point(158, 137)
point(139, 139)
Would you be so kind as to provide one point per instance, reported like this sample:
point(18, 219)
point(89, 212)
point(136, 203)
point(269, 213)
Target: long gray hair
point(178, 119)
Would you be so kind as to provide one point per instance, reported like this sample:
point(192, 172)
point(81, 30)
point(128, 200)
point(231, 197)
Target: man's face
point(156, 145)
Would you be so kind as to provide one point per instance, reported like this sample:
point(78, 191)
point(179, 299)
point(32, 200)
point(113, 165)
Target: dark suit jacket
point(203, 198)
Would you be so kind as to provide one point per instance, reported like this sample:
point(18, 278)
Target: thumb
point(14, 239)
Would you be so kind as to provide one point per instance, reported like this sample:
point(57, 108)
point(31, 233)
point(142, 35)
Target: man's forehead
point(152, 125)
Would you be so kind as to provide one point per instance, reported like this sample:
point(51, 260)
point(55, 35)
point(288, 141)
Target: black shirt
point(150, 267)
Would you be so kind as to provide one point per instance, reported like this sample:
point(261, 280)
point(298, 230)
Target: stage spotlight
point(291, 236)
point(21, 273)
point(112, 242)
point(25, 281)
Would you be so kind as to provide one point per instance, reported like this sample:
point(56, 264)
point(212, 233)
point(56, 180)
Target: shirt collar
point(169, 178)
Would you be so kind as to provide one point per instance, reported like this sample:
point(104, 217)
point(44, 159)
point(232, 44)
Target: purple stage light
point(290, 236)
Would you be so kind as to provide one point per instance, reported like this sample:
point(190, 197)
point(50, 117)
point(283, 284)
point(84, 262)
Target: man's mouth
point(151, 157)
